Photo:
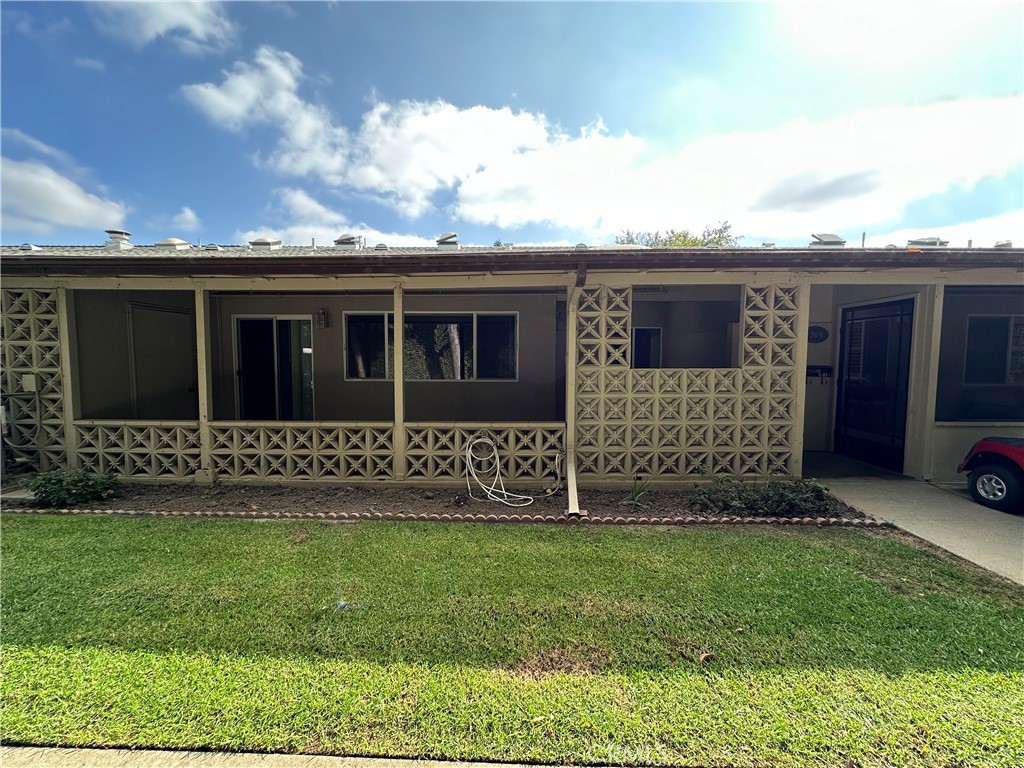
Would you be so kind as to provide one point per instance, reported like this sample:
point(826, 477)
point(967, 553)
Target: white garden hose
point(483, 453)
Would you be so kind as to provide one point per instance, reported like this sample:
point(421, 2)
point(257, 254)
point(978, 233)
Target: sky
point(527, 122)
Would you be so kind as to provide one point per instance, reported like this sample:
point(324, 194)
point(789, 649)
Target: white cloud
point(410, 150)
point(308, 219)
point(982, 233)
point(86, 63)
point(266, 91)
point(186, 220)
point(195, 28)
point(38, 199)
point(34, 145)
point(514, 169)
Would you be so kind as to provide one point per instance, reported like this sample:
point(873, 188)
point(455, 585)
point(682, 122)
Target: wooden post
point(571, 308)
point(203, 385)
point(69, 388)
point(925, 427)
point(398, 431)
point(803, 318)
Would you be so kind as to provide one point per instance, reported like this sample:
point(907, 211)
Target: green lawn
point(507, 643)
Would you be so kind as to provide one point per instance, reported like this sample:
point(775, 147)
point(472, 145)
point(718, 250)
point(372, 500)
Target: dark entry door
point(257, 373)
point(874, 376)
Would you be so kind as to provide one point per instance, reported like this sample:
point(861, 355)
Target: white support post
point(398, 431)
point(922, 456)
point(572, 305)
point(803, 318)
point(203, 385)
point(69, 389)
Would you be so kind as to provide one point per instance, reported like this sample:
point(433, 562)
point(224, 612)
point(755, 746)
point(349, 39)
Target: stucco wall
point(103, 353)
point(537, 395)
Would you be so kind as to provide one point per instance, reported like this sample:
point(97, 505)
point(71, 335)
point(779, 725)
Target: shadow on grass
point(531, 600)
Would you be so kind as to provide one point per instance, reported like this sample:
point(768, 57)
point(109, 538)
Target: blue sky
point(525, 122)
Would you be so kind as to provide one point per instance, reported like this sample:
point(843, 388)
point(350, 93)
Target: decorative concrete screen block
point(32, 388)
point(321, 452)
point(528, 452)
point(140, 450)
point(685, 422)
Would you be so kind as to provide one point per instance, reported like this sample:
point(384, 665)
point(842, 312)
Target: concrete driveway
point(944, 516)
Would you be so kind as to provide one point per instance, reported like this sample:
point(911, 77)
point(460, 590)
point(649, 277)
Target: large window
point(981, 354)
point(460, 346)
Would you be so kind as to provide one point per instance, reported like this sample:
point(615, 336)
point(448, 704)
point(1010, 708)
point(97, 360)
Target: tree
point(720, 235)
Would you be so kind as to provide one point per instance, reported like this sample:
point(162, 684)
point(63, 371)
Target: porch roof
point(238, 260)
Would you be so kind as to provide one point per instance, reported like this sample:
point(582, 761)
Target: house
point(267, 362)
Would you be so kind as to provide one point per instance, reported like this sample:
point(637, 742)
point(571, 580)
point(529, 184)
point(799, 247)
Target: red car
point(996, 466)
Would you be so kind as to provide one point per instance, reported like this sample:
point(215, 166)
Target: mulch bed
point(344, 502)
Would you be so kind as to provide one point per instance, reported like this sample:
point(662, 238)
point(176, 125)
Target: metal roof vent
point(349, 242)
point(265, 244)
point(118, 239)
point(1003, 244)
point(927, 242)
point(582, 246)
point(174, 244)
point(29, 247)
point(826, 240)
point(713, 246)
point(449, 241)
point(767, 244)
point(212, 247)
point(380, 247)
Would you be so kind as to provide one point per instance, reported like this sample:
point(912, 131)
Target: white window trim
point(387, 344)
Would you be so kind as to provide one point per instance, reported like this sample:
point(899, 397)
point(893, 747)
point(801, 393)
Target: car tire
point(997, 487)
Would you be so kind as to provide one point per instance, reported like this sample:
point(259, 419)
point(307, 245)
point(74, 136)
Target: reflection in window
point(438, 347)
point(995, 350)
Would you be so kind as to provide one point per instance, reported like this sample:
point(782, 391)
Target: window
point(647, 347)
point(274, 368)
point(462, 346)
point(995, 350)
point(686, 326)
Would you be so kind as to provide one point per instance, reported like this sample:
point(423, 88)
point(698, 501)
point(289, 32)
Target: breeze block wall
point(684, 423)
point(31, 346)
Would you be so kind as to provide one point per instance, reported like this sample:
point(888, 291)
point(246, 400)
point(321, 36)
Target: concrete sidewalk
point(991, 539)
point(48, 757)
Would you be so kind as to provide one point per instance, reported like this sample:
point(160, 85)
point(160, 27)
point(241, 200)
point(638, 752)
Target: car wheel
point(997, 487)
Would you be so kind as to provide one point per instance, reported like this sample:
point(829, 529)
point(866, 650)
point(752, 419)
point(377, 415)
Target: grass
point(684, 646)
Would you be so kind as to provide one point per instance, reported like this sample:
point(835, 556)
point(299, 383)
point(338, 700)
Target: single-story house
point(354, 362)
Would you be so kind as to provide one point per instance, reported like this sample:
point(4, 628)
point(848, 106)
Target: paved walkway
point(944, 516)
point(46, 757)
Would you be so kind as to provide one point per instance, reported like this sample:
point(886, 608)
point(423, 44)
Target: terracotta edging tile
point(473, 517)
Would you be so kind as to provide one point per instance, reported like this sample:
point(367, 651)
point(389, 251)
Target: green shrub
point(64, 487)
point(777, 498)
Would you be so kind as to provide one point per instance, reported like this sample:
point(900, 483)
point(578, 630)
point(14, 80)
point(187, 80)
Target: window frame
point(389, 352)
point(633, 345)
point(277, 362)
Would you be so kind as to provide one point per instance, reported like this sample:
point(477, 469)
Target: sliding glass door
point(274, 368)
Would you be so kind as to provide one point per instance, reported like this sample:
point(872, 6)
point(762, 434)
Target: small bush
point(777, 498)
point(64, 487)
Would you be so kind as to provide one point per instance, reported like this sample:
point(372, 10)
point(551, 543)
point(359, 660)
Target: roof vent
point(713, 246)
point(380, 247)
point(174, 244)
point(767, 244)
point(826, 240)
point(999, 244)
point(118, 240)
point(927, 242)
point(582, 246)
point(449, 241)
point(29, 247)
point(212, 247)
point(265, 244)
point(349, 242)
